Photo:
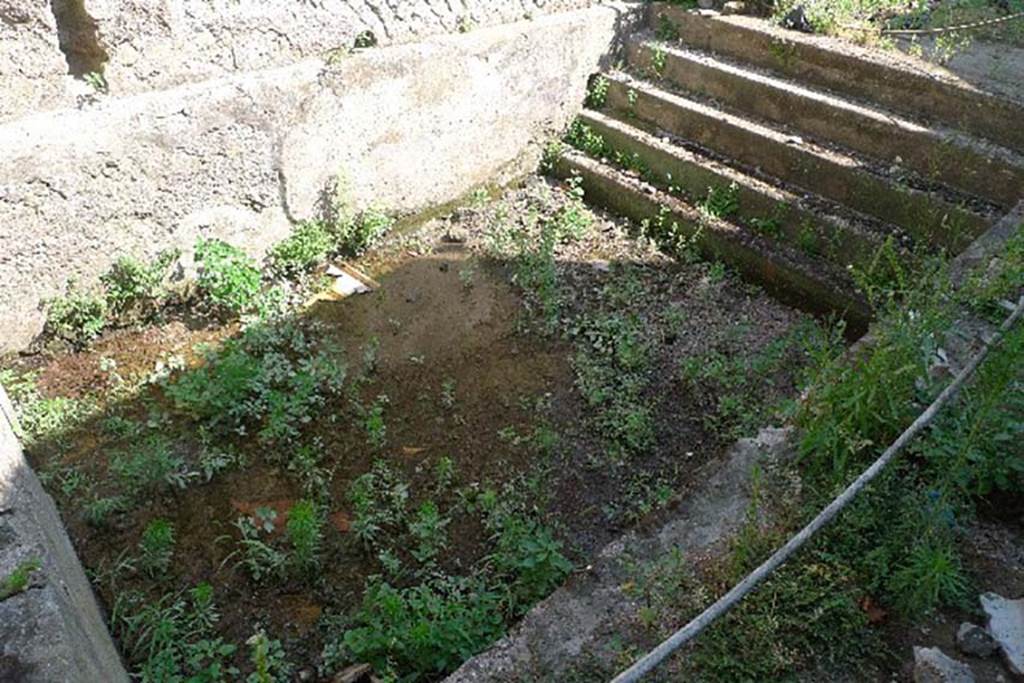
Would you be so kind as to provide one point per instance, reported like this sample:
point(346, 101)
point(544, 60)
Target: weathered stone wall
point(142, 45)
point(53, 630)
point(243, 154)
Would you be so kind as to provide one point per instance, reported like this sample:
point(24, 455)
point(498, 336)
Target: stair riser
point(800, 227)
point(800, 59)
point(919, 149)
point(926, 217)
point(753, 260)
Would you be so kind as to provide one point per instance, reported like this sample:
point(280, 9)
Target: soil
point(448, 318)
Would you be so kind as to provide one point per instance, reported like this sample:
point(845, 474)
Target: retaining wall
point(241, 154)
point(53, 630)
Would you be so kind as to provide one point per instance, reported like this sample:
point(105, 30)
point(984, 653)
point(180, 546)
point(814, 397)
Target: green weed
point(133, 287)
point(306, 534)
point(228, 277)
point(309, 244)
point(77, 317)
point(156, 547)
point(18, 580)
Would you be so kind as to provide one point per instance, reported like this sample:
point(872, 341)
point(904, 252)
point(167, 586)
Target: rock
point(1006, 624)
point(974, 640)
point(797, 20)
point(931, 665)
point(357, 673)
point(734, 7)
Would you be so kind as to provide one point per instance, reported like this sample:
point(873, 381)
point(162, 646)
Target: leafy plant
point(309, 244)
point(428, 531)
point(374, 424)
point(428, 629)
point(268, 658)
point(721, 202)
point(529, 561)
point(77, 317)
point(171, 640)
point(134, 286)
point(379, 498)
point(271, 377)
point(306, 534)
point(597, 95)
point(228, 277)
point(156, 547)
point(259, 557)
point(150, 465)
point(357, 236)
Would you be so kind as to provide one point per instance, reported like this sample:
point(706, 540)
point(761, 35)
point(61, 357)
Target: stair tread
point(985, 107)
point(869, 110)
point(779, 255)
point(777, 189)
point(834, 152)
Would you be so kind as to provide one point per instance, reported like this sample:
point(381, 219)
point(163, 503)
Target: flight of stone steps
point(811, 156)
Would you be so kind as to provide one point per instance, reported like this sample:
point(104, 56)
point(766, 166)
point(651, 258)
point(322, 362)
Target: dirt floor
point(464, 359)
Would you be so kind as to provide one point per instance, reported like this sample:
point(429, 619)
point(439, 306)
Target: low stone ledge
point(52, 630)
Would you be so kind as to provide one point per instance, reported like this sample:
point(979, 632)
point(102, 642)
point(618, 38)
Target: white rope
point(937, 30)
point(740, 590)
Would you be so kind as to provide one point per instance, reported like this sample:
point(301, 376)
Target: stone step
point(794, 277)
point(937, 153)
point(930, 214)
point(890, 78)
point(811, 223)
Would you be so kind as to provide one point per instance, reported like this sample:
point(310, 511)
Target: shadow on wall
point(78, 35)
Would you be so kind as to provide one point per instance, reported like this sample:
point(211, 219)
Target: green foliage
point(929, 577)
point(271, 377)
point(427, 630)
point(379, 500)
point(971, 448)
point(357, 236)
point(428, 531)
point(305, 531)
point(228, 277)
point(721, 202)
point(259, 557)
point(268, 660)
point(156, 547)
point(666, 31)
point(134, 286)
point(528, 561)
point(18, 579)
point(374, 423)
point(98, 510)
point(171, 640)
point(535, 271)
point(612, 364)
point(309, 244)
point(573, 220)
point(859, 405)
point(659, 59)
point(77, 317)
point(40, 418)
point(744, 388)
point(885, 279)
point(597, 95)
point(821, 625)
point(149, 466)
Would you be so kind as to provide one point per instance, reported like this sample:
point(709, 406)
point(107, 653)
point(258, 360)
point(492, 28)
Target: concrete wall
point(243, 153)
point(53, 631)
point(142, 45)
